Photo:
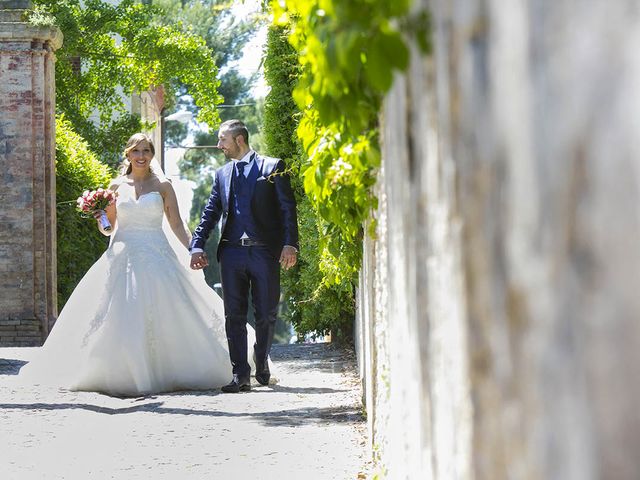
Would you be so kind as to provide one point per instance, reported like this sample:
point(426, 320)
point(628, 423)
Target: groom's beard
point(227, 154)
point(234, 153)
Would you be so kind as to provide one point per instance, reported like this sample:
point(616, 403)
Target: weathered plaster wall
point(499, 320)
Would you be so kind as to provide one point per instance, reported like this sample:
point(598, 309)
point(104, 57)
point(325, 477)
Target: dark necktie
point(241, 166)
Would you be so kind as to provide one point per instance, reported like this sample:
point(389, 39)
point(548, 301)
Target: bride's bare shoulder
point(164, 185)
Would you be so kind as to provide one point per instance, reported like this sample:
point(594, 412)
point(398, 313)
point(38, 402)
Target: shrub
point(79, 241)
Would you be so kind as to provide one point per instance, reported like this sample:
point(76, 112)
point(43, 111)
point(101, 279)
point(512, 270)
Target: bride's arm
point(173, 214)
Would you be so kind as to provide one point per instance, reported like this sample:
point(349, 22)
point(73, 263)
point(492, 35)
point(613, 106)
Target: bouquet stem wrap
point(104, 222)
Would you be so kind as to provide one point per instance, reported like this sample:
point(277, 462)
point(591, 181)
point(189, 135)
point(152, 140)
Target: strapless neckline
point(143, 194)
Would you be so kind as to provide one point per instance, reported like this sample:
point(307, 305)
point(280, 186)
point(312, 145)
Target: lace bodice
point(139, 226)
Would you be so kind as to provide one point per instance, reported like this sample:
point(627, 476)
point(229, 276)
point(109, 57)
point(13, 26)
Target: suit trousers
point(245, 269)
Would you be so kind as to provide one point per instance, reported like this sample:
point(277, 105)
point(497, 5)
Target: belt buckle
point(245, 242)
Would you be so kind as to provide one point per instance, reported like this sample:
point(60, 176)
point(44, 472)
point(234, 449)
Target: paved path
point(307, 426)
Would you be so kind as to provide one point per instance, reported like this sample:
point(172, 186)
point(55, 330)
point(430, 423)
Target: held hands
point(199, 260)
point(288, 257)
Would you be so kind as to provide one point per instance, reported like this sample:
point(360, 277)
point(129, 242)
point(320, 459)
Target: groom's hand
point(288, 257)
point(199, 260)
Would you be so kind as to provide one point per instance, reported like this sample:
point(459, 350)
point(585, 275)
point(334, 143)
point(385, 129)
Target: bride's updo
point(135, 139)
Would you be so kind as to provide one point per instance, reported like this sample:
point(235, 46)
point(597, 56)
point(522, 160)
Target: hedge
point(80, 243)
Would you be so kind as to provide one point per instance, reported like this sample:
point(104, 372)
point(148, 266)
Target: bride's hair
point(135, 139)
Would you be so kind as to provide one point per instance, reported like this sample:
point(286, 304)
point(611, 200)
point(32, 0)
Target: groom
point(252, 195)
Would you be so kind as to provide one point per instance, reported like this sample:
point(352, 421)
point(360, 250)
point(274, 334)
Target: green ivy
point(79, 241)
point(348, 53)
point(311, 304)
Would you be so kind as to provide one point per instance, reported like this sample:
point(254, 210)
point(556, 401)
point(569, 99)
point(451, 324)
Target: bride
point(140, 321)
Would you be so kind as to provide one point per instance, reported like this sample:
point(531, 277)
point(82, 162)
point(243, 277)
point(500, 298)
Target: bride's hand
point(199, 260)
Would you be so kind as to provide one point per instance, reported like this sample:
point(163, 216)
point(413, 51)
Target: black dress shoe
point(262, 372)
point(238, 384)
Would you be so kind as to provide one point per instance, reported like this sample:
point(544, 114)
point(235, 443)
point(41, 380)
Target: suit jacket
point(272, 204)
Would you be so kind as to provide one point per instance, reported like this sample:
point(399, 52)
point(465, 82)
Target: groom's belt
point(246, 242)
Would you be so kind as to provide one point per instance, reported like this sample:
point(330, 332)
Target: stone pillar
point(27, 177)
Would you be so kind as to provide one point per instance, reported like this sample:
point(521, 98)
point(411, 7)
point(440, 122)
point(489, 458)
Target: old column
point(27, 177)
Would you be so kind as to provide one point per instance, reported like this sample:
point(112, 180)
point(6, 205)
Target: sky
point(252, 53)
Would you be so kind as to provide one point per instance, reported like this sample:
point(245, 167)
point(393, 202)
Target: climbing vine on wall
point(348, 52)
point(311, 305)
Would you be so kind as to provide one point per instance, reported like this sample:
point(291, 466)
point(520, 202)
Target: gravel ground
point(308, 425)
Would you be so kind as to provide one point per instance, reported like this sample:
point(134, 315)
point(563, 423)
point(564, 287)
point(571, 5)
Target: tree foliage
point(226, 36)
point(111, 50)
point(348, 51)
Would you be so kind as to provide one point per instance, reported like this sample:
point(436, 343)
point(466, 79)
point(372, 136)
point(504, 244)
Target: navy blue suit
point(262, 205)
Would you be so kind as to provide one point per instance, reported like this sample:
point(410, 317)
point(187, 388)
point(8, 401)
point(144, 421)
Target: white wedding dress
point(140, 321)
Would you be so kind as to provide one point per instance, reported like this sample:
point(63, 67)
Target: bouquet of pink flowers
point(90, 202)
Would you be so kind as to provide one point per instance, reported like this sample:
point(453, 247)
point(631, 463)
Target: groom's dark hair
point(236, 127)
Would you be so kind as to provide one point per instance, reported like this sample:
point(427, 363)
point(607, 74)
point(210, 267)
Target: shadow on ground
point(10, 366)
point(281, 418)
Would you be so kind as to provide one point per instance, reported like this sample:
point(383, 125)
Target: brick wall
point(27, 178)
point(25, 332)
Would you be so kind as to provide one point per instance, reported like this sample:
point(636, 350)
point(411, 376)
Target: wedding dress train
point(140, 321)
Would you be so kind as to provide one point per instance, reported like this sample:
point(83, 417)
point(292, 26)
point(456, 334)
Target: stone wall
point(498, 318)
point(27, 178)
